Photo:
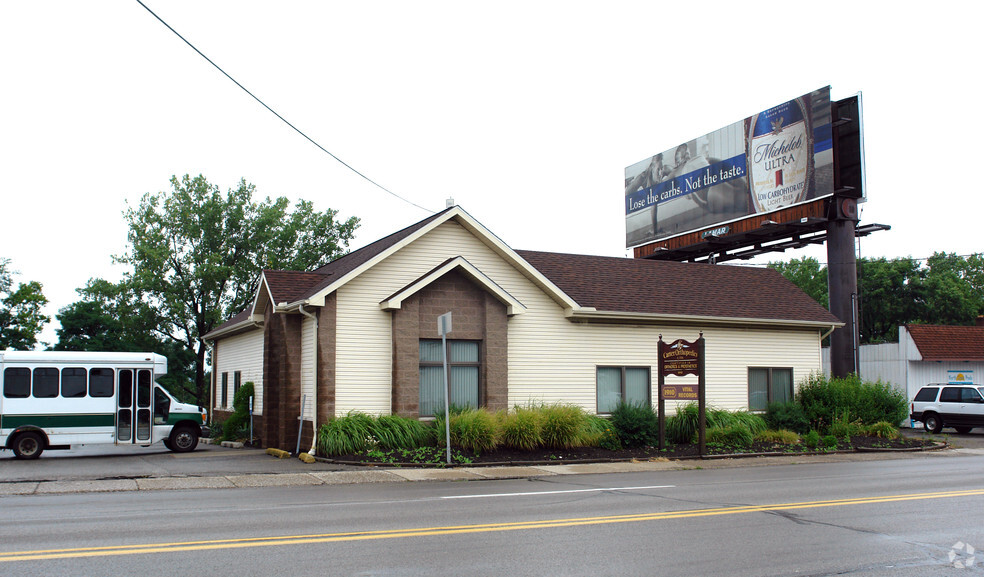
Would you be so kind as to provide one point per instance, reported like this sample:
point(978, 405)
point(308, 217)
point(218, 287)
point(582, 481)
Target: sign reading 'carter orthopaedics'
point(679, 358)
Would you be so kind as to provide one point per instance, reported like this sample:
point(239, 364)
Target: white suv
point(957, 406)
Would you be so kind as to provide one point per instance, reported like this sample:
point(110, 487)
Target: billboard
point(780, 157)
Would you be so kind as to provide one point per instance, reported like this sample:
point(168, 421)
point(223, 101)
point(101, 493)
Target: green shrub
point(346, 435)
point(396, 432)
point(788, 416)
point(882, 429)
point(474, 430)
point(782, 436)
point(237, 425)
point(841, 428)
point(812, 439)
point(824, 400)
point(829, 442)
point(635, 424)
point(754, 423)
point(597, 432)
point(562, 425)
point(682, 427)
point(522, 429)
point(735, 435)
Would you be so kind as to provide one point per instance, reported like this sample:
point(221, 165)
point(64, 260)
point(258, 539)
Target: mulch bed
point(505, 456)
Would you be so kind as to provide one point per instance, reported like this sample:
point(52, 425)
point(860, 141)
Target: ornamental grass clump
point(781, 437)
point(562, 425)
point(881, 429)
point(394, 432)
point(735, 435)
point(522, 429)
point(474, 430)
point(346, 435)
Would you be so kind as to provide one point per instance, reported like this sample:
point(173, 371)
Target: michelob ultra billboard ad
point(777, 158)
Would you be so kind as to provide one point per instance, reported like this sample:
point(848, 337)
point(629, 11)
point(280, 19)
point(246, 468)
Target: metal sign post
point(443, 328)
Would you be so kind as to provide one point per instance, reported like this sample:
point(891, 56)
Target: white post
point(444, 327)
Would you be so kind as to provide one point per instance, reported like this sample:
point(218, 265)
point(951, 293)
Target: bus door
point(134, 411)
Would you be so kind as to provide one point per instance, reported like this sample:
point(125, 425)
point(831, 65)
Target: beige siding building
point(360, 334)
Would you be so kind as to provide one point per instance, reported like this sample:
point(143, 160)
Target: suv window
point(926, 395)
point(970, 395)
point(950, 395)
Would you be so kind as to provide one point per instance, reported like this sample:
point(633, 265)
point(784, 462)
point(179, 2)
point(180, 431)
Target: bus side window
point(45, 383)
point(101, 383)
point(162, 407)
point(17, 382)
point(73, 382)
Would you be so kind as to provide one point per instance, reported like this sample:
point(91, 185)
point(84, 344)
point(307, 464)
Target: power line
point(274, 112)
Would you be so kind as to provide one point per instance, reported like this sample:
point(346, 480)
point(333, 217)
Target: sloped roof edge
point(469, 223)
point(395, 301)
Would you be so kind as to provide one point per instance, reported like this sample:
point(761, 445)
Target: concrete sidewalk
point(395, 475)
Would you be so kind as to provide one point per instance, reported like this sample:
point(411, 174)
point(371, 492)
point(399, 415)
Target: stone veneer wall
point(476, 315)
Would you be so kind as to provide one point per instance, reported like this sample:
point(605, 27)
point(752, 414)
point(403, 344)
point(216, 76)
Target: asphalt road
point(892, 517)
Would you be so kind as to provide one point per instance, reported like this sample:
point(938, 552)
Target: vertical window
point(237, 380)
point(767, 385)
point(73, 382)
point(17, 382)
point(101, 383)
point(464, 368)
point(45, 383)
point(225, 390)
point(622, 384)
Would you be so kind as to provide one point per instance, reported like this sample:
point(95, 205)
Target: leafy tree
point(21, 319)
point(890, 293)
point(197, 253)
point(808, 275)
point(949, 298)
point(111, 317)
point(948, 290)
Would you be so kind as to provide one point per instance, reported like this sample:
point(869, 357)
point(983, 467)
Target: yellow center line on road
point(180, 547)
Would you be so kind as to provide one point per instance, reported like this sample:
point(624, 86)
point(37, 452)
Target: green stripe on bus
point(58, 421)
point(175, 418)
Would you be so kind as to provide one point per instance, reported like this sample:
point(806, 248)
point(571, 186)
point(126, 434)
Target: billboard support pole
point(842, 285)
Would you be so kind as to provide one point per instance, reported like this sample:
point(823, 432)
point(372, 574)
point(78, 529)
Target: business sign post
point(778, 158)
point(681, 358)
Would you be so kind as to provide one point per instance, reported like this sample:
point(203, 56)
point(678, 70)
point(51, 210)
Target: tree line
point(945, 289)
point(194, 255)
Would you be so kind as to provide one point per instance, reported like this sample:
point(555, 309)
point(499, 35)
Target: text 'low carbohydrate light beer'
point(780, 155)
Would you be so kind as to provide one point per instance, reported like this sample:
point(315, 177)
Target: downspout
point(823, 336)
point(314, 405)
point(827, 334)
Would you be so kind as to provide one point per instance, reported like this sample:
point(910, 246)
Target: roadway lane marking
point(182, 547)
point(532, 493)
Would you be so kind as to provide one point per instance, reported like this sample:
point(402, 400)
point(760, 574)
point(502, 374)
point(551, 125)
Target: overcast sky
point(526, 113)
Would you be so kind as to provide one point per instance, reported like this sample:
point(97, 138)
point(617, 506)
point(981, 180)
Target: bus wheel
point(28, 445)
point(183, 439)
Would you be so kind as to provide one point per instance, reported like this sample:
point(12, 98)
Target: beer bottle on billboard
point(780, 155)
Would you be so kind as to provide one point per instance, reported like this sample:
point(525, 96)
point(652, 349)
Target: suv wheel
point(932, 422)
point(963, 430)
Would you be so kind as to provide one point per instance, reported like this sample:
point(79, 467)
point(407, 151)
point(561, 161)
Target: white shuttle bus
point(53, 400)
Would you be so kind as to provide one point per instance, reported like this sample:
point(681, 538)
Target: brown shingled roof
point(673, 288)
point(287, 286)
point(948, 343)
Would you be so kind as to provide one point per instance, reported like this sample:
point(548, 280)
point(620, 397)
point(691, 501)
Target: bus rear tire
point(183, 439)
point(28, 445)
